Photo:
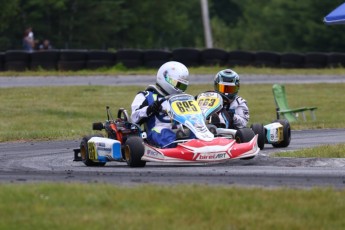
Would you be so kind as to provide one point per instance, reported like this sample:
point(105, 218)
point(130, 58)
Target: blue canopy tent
point(337, 16)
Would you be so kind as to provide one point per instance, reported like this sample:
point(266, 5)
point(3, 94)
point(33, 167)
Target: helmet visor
point(231, 88)
point(177, 84)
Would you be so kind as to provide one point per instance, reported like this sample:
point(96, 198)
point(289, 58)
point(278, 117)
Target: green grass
point(327, 151)
point(102, 206)
point(67, 113)
point(40, 113)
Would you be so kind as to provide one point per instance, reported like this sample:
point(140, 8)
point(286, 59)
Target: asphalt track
point(7, 82)
point(52, 161)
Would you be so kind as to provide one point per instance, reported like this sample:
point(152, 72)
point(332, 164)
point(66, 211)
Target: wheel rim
point(127, 153)
point(83, 153)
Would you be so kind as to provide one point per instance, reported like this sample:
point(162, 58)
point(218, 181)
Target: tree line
point(272, 25)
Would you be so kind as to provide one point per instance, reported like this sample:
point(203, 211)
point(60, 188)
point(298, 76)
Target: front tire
point(244, 135)
point(134, 150)
point(286, 134)
point(84, 152)
point(260, 130)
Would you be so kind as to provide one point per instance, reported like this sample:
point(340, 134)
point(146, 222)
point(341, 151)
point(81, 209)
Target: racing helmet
point(227, 82)
point(172, 78)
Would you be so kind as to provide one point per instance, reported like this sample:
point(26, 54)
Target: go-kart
point(277, 133)
point(127, 142)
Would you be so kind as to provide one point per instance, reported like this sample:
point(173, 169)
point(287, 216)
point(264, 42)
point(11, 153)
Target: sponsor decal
point(154, 154)
point(102, 147)
point(213, 156)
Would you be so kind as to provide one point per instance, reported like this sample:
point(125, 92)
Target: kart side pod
point(104, 149)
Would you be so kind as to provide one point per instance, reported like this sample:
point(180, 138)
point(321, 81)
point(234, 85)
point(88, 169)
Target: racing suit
point(158, 126)
point(234, 115)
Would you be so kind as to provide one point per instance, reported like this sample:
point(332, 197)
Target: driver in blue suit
point(149, 108)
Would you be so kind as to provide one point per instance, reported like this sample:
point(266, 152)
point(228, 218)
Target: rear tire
point(260, 130)
point(286, 134)
point(84, 152)
point(134, 150)
point(97, 126)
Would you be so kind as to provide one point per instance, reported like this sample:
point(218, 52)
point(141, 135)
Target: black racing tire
point(260, 130)
point(286, 133)
point(84, 151)
point(97, 126)
point(134, 150)
point(244, 135)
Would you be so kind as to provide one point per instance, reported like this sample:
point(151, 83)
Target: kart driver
point(148, 106)
point(235, 112)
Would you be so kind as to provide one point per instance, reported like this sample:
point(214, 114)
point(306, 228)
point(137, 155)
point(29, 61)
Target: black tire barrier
point(73, 55)
point(240, 58)
point(2, 61)
point(71, 65)
point(336, 60)
point(266, 59)
point(72, 60)
point(292, 60)
point(213, 56)
point(17, 60)
point(46, 59)
point(187, 56)
point(100, 59)
point(156, 58)
point(315, 60)
point(130, 58)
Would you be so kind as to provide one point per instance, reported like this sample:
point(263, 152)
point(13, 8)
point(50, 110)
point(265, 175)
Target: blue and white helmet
point(172, 78)
point(227, 82)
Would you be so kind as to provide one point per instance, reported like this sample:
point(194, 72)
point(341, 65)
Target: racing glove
point(153, 109)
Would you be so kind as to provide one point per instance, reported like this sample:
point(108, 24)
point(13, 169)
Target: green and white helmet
point(172, 78)
point(227, 82)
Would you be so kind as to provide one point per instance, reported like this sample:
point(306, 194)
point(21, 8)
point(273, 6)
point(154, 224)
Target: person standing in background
point(28, 40)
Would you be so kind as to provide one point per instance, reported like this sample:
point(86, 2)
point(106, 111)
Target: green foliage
point(274, 25)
